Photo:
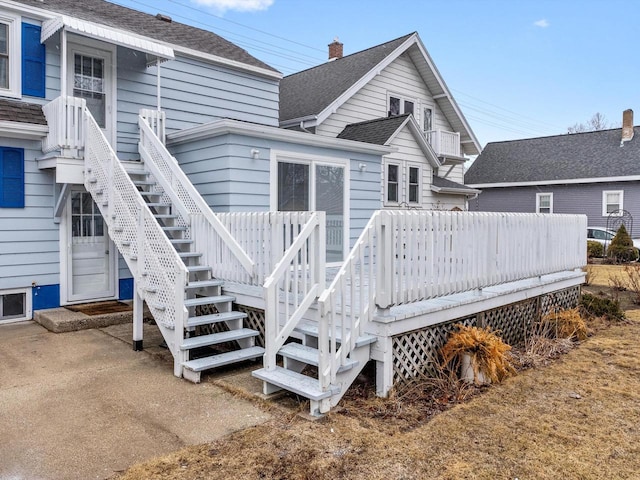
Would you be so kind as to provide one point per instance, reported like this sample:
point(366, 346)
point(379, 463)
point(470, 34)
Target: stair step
point(312, 330)
point(205, 283)
point(165, 216)
point(156, 204)
point(227, 358)
point(194, 302)
point(214, 318)
point(294, 382)
point(217, 338)
point(199, 268)
point(140, 183)
point(190, 254)
point(150, 194)
point(174, 228)
point(309, 355)
point(180, 241)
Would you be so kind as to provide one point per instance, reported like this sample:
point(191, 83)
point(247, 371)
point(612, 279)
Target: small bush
point(488, 353)
point(591, 275)
point(632, 272)
point(621, 248)
point(594, 249)
point(601, 307)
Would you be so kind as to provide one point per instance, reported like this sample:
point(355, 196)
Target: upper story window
point(544, 202)
point(399, 105)
point(612, 202)
point(427, 119)
point(9, 56)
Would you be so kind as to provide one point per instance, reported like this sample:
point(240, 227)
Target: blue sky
point(518, 68)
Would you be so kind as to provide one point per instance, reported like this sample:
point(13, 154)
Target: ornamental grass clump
point(489, 356)
point(567, 324)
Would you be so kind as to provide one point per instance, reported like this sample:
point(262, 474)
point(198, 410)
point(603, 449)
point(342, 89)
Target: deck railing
point(265, 236)
point(157, 122)
point(294, 285)
point(430, 254)
point(443, 142)
point(220, 250)
point(66, 128)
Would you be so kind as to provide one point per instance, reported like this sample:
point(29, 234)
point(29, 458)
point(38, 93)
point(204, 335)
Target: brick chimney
point(627, 126)
point(335, 49)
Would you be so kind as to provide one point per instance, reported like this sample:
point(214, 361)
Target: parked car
point(604, 236)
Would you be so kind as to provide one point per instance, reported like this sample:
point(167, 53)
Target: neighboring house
point(391, 94)
point(593, 173)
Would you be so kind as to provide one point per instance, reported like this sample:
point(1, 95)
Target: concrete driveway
point(83, 405)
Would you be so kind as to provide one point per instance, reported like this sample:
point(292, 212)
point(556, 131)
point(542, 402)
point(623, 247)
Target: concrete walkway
point(83, 405)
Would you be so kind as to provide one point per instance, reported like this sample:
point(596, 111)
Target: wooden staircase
point(211, 322)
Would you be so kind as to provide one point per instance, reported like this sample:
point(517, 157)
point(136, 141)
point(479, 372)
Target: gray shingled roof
point(11, 111)
point(561, 157)
point(309, 92)
point(112, 15)
point(444, 183)
point(376, 131)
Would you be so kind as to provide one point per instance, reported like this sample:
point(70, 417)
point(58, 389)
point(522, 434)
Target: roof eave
point(455, 191)
point(27, 131)
point(228, 126)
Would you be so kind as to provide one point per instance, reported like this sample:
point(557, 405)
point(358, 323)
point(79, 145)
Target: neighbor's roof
point(12, 111)
point(452, 187)
point(574, 156)
point(316, 92)
point(311, 91)
point(377, 131)
point(179, 34)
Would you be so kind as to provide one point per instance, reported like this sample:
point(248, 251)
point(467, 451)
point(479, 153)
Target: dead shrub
point(632, 273)
point(488, 354)
point(567, 324)
point(617, 283)
point(591, 274)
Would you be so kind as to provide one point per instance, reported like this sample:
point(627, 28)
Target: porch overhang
point(107, 34)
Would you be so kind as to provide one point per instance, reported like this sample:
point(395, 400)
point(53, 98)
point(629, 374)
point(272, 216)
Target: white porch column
point(63, 62)
point(158, 83)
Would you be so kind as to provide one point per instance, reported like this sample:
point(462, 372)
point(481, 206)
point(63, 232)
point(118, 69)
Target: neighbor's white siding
point(400, 77)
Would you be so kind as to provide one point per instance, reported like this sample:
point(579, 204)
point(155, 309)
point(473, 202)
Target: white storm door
point(91, 265)
point(90, 76)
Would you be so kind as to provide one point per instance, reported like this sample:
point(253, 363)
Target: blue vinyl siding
point(193, 92)
point(224, 173)
point(11, 178)
point(585, 199)
point(33, 62)
point(29, 238)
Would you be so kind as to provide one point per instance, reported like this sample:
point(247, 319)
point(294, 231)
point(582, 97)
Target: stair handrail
point(189, 201)
point(294, 285)
point(159, 272)
point(355, 280)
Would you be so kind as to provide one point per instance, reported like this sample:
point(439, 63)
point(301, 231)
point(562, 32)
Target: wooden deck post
point(138, 315)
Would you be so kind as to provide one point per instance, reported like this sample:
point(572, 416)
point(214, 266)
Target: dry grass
point(577, 418)
point(567, 324)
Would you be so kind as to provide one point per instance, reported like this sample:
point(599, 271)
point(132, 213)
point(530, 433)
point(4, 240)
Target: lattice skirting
point(416, 353)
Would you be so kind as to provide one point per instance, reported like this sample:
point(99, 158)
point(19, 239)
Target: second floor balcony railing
point(444, 143)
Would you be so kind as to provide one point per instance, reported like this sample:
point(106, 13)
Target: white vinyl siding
point(544, 202)
point(612, 201)
point(371, 101)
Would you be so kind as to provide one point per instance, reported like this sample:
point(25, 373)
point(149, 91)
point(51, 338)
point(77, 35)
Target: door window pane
point(293, 187)
point(330, 199)
point(88, 83)
point(428, 114)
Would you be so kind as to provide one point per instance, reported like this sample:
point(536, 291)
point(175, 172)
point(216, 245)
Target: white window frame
point(605, 204)
point(544, 194)
point(386, 200)
point(28, 307)
point(403, 98)
point(14, 37)
point(408, 184)
point(314, 160)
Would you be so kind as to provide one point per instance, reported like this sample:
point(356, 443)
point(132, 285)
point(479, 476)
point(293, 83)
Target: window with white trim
point(10, 64)
point(413, 181)
point(399, 105)
point(544, 202)
point(15, 305)
point(427, 119)
point(612, 201)
point(393, 183)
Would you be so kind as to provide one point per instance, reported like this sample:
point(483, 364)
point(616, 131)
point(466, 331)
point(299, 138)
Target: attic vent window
point(164, 18)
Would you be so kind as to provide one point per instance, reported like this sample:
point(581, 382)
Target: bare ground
point(577, 418)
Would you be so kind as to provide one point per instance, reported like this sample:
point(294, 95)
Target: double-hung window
point(9, 56)
point(403, 184)
point(544, 202)
point(413, 187)
point(612, 202)
point(393, 182)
